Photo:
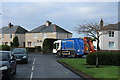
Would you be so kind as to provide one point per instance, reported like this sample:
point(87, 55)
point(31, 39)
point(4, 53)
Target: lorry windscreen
point(56, 46)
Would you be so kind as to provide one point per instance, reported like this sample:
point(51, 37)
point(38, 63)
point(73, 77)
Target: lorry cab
point(57, 46)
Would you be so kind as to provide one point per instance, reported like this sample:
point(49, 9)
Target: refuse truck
point(75, 47)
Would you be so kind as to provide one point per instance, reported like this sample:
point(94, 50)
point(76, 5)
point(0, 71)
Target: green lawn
point(105, 72)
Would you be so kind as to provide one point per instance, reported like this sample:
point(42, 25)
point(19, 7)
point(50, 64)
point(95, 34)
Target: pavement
point(43, 67)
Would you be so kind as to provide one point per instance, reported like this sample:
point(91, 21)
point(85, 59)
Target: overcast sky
point(67, 15)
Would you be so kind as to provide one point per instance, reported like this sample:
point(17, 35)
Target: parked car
point(7, 64)
point(21, 54)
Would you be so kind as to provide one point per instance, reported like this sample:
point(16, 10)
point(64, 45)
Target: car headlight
point(3, 68)
point(24, 57)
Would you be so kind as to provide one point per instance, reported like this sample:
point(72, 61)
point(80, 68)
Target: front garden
point(108, 65)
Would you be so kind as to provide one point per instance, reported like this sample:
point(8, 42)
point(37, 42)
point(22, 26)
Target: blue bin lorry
point(71, 47)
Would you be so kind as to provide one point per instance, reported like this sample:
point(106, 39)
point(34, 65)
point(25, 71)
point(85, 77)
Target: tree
point(92, 30)
point(15, 42)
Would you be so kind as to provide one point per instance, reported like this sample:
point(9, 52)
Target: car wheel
point(26, 62)
point(74, 55)
point(80, 56)
point(8, 75)
point(14, 71)
point(65, 55)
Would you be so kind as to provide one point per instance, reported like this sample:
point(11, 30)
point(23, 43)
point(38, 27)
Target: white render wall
point(105, 39)
point(118, 40)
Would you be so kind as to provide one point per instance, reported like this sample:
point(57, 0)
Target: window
point(44, 35)
point(2, 43)
point(10, 35)
point(56, 46)
point(111, 33)
point(111, 44)
point(35, 35)
point(29, 44)
point(58, 35)
point(2, 35)
point(6, 43)
point(34, 44)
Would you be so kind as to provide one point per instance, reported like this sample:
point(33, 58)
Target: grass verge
point(102, 73)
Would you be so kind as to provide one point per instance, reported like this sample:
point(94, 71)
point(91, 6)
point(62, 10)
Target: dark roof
point(13, 29)
point(112, 27)
point(51, 28)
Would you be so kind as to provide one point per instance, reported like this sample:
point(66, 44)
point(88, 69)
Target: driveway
point(43, 67)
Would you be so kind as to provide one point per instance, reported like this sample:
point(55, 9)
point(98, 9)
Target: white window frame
point(58, 35)
point(35, 35)
point(44, 35)
point(34, 44)
point(110, 42)
point(10, 36)
point(2, 35)
point(111, 33)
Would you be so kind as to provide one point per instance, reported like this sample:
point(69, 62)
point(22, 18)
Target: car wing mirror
point(13, 57)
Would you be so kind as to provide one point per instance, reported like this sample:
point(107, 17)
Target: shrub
point(104, 58)
point(4, 47)
point(48, 45)
point(38, 48)
point(31, 49)
point(34, 49)
point(15, 42)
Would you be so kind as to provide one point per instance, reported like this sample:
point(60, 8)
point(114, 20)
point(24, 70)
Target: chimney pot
point(101, 23)
point(10, 25)
point(48, 23)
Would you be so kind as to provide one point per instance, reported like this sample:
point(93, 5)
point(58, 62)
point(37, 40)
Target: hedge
point(48, 45)
point(104, 58)
point(4, 47)
point(34, 49)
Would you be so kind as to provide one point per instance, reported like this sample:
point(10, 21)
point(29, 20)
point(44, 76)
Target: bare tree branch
point(91, 29)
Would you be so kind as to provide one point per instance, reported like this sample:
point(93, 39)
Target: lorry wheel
point(80, 56)
point(74, 55)
point(65, 55)
point(59, 54)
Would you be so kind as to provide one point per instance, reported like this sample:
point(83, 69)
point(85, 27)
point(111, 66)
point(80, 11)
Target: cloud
point(66, 14)
point(60, 0)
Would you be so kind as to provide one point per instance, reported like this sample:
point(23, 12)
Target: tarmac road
point(43, 67)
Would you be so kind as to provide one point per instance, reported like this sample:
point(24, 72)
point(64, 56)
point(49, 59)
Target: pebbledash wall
point(37, 39)
point(34, 37)
point(7, 39)
point(37, 36)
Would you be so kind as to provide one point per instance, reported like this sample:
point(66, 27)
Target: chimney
point(10, 25)
point(48, 23)
point(101, 23)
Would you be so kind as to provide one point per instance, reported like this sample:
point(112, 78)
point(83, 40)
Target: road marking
point(31, 76)
point(33, 67)
point(33, 61)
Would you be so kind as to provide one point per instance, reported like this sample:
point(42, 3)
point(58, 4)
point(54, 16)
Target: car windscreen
point(4, 56)
point(19, 51)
